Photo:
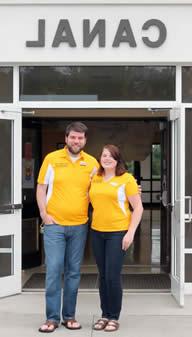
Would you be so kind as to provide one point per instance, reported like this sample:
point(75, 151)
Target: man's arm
point(41, 201)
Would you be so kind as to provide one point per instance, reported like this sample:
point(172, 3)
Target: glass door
point(10, 202)
point(165, 199)
point(178, 199)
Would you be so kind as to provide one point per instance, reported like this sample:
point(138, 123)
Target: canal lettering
point(124, 34)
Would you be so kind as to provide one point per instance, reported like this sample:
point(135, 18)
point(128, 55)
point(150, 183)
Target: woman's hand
point(135, 201)
point(139, 190)
point(127, 240)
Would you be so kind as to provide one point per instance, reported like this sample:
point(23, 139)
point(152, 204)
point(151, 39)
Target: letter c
point(162, 33)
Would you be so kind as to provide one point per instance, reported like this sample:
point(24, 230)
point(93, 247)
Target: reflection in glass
point(188, 175)
point(5, 263)
point(97, 83)
point(6, 84)
point(188, 235)
point(156, 161)
point(6, 255)
point(5, 241)
point(130, 166)
point(187, 84)
point(5, 162)
point(188, 269)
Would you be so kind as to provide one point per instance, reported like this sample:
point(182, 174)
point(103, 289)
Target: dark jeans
point(109, 259)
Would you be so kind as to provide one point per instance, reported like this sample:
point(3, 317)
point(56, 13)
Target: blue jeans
point(64, 250)
point(109, 259)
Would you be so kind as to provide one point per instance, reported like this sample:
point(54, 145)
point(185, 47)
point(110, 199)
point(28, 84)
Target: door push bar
point(10, 207)
point(189, 216)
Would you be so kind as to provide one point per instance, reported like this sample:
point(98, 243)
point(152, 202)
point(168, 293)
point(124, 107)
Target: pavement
point(143, 315)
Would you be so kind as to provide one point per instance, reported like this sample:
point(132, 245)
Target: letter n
point(98, 29)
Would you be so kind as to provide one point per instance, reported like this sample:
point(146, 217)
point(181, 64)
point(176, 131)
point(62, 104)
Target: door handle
point(164, 199)
point(189, 212)
point(10, 207)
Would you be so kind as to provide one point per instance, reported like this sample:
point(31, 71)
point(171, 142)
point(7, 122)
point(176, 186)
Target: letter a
point(124, 34)
point(59, 38)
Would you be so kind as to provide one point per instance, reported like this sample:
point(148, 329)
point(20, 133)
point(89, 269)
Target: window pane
point(188, 160)
point(188, 269)
point(5, 162)
point(156, 161)
point(146, 168)
point(6, 85)
point(187, 84)
point(6, 255)
point(5, 262)
point(188, 235)
point(156, 197)
point(130, 166)
point(97, 83)
point(5, 241)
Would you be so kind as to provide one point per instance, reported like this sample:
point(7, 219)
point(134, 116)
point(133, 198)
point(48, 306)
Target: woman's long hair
point(115, 153)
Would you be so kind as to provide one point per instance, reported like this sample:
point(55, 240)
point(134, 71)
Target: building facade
point(123, 67)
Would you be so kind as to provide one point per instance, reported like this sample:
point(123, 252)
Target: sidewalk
point(143, 315)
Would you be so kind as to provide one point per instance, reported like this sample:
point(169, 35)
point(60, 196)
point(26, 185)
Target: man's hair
point(77, 127)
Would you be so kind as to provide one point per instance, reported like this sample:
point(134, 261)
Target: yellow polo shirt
point(110, 202)
point(68, 184)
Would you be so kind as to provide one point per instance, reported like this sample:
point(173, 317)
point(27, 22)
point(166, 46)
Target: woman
point(112, 230)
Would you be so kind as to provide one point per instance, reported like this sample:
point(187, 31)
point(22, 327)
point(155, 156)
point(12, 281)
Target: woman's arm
point(136, 203)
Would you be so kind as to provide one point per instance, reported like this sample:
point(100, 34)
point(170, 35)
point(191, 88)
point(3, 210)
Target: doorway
point(144, 140)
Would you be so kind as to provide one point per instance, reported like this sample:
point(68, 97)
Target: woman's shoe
point(100, 324)
point(111, 326)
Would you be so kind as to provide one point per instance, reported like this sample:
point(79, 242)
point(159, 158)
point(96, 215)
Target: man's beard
point(75, 152)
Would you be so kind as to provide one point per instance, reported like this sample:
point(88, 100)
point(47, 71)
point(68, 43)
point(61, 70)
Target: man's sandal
point(100, 324)
point(48, 326)
point(112, 325)
point(71, 324)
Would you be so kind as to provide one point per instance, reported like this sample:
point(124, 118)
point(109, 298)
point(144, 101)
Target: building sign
point(95, 34)
point(124, 34)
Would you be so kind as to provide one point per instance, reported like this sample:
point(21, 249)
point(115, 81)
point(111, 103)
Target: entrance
point(144, 138)
point(145, 145)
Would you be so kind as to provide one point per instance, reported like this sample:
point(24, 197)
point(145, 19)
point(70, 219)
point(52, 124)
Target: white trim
point(188, 251)
point(15, 85)
point(6, 250)
point(188, 288)
point(187, 105)
point(95, 2)
point(177, 216)
point(97, 104)
point(178, 84)
point(11, 284)
point(7, 108)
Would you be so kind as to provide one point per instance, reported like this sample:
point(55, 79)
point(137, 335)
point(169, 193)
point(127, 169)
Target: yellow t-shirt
point(110, 204)
point(68, 184)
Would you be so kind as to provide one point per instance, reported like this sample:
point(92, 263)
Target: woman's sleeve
point(131, 187)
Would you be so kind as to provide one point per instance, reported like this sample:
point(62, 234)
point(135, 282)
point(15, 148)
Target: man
point(62, 197)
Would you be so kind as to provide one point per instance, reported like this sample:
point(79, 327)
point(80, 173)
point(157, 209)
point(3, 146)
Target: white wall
point(18, 24)
point(95, 1)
